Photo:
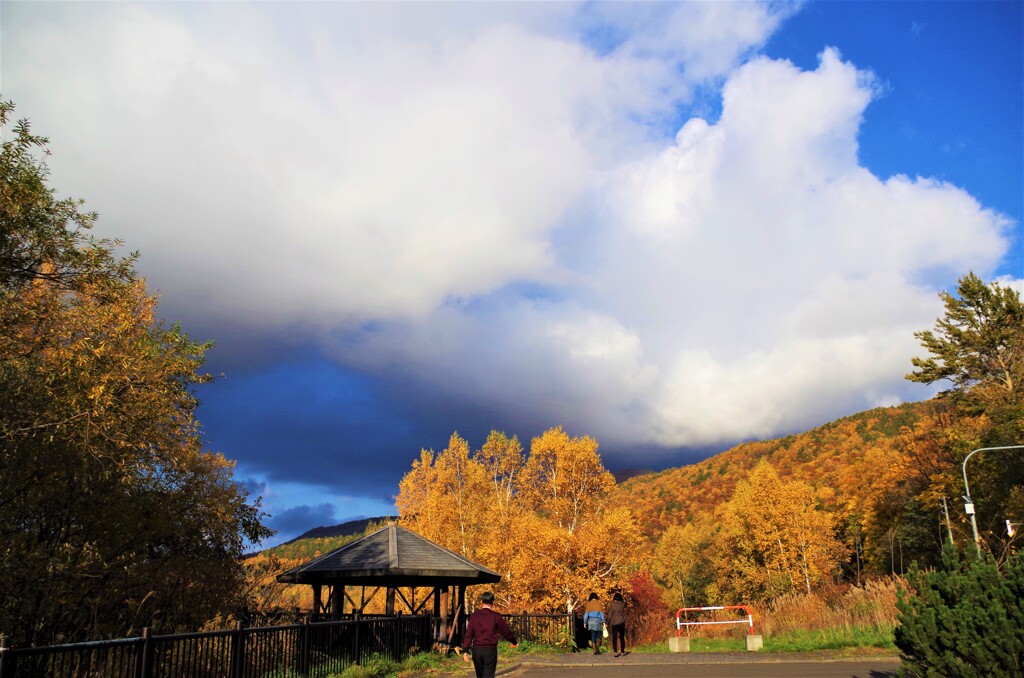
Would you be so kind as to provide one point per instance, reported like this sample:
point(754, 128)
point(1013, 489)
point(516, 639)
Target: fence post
point(144, 663)
point(395, 636)
point(358, 648)
point(238, 651)
point(6, 659)
point(304, 648)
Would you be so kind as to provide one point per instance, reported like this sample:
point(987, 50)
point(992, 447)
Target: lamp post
point(968, 502)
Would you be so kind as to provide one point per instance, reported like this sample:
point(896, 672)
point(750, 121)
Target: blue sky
point(671, 226)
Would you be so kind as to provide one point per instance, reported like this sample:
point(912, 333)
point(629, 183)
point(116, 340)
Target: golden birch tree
point(445, 498)
point(543, 522)
point(581, 542)
point(779, 536)
point(502, 459)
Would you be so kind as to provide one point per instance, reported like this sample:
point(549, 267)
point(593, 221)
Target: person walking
point(593, 617)
point(484, 629)
point(617, 624)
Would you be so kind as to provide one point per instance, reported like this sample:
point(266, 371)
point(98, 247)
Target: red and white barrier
point(680, 623)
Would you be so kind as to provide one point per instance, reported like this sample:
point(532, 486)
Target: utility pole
point(968, 502)
point(949, 527)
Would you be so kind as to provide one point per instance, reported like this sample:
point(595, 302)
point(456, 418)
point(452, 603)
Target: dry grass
point(872, 605)
point(648, 628)
point(843, 610)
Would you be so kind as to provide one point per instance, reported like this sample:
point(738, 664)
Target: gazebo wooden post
point(437, 623)
point(461, 621)
point(446, 611)
point(316, 600)
point(389, 604)
point(338, 599)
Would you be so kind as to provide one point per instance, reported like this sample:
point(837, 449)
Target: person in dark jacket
point(483, 631)
point(617, 624)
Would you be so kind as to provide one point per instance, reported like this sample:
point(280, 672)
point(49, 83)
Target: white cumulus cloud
point(482, 201)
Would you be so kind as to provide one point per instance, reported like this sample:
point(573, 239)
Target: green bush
point(421, 661)
point(963, 620)
point(381, 666)
point(283, 673)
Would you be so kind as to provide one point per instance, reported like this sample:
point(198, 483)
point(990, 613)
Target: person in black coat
point(617, 624)
point(483, 631)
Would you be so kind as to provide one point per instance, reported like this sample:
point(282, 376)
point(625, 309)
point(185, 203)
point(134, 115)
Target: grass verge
point(852, 639)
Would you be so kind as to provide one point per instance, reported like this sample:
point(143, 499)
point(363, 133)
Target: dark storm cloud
point(308, 422)
point(298, 519)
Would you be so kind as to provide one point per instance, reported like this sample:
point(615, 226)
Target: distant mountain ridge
point(347, 529)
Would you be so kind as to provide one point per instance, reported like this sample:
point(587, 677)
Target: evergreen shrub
point(964, 619)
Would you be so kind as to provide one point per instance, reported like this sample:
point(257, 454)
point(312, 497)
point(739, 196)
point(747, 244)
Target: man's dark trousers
point(485, 661)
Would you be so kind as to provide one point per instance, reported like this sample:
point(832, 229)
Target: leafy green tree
point(978, 345)
point(964, 619)
point(683, 565)
point(112, 516)
point(42, 237)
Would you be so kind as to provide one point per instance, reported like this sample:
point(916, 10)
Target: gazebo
point(392, 558)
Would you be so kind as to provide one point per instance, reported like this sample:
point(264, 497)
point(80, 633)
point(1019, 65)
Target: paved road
point(847, 669)
point(703, 666)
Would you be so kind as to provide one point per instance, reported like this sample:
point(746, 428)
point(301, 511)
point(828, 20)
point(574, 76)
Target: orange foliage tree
point(544, 522)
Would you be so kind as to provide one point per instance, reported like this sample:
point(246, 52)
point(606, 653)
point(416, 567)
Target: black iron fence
point(551, 629)
point(313, 649)
point(310, 649)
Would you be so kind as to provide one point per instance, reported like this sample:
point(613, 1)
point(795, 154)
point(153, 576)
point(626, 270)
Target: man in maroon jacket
point(484, 629)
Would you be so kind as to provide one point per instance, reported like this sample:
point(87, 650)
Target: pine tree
point(963, 620)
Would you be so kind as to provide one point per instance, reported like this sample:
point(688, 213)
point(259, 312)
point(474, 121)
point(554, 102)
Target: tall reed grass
point(872, 605)
point(839, 615)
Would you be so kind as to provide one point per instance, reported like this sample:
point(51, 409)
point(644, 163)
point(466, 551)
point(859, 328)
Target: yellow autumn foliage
point(544, 522)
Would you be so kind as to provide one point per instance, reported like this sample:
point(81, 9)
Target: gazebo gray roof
point(392, 556)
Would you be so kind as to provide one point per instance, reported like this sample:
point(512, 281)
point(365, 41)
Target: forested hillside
point(849, 455)
point(852, 499)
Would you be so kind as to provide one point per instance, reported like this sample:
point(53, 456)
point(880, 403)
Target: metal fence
point(550, 629)
point(313, 649)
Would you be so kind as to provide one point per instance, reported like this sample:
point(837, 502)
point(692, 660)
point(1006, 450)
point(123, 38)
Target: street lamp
point(968, 502)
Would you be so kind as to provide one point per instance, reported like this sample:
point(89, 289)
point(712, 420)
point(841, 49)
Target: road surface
point(698, 666)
